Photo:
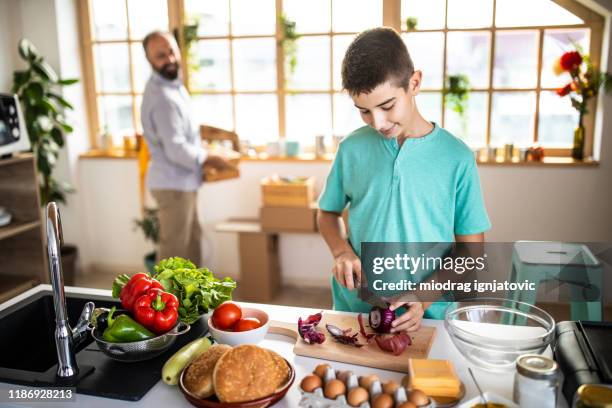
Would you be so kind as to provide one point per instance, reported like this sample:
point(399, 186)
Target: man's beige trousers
point(179, 229)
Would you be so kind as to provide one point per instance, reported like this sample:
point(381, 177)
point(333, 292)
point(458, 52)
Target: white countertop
point(162, 395)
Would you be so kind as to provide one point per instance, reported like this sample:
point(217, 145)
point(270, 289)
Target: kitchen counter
point(162, 395)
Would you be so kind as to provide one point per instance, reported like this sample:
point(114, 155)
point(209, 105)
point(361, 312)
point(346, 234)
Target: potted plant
point(585, 83)
point(149, 224)
point(39, 90)
point(456, 95)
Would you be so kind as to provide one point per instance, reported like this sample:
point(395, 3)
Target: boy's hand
point(347, 269)
point(409, 321)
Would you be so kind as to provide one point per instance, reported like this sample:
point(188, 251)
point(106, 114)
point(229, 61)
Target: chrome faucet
point(65, 336)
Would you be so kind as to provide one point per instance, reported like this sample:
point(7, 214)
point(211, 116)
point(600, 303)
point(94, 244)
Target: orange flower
point(570, 61)
point(557, 68)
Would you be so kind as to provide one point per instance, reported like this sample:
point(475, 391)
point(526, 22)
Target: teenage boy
point(403, 178)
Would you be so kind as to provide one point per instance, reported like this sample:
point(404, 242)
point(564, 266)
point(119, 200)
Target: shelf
point(17, 228)
point(18, 158)
point(11, 286)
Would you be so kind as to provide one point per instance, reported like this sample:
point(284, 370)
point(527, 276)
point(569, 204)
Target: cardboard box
point(289, 219)
point(275, 192)
point(260, 277)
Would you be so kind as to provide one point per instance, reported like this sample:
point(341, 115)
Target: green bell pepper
point(124, 329)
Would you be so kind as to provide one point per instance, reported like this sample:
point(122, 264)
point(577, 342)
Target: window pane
point(311, 16)
point(472, 127)
point(210, 66)
point(427, 52)
point(512, 118)
point(253, 17)
point(146, 16)
point(141, 67)
point(557, 121)
point(470, 13)
point(213, 110)
point(307, 117)
point(523, 13)
point(346, 115)
point(556, 42)
point(116, 116)
point(356, 15)
point(257, 118)
point(429, 13)
point(109, 20)
point(112, 67)
point(138, 104)
point(312, 69)
point(516, 59)
point(430, 106)
point(255, 64)
point(341, 43)
point(468, 54)
point(212, 16)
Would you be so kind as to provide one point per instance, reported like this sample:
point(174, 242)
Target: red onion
point(307, 329)
point(380, 319)
point(395, 343)
point(343, 336)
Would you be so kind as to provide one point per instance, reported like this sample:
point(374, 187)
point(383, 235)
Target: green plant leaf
point(58, 135)
point(61, 100)
point(69, 81)
point(20, 78)
point(67, 128)
point(45, 70)
point(48, 104)
point(27, 50)
point(34, 92)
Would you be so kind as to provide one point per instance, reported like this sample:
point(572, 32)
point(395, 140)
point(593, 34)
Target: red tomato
point(226, 315)
point(246, 324)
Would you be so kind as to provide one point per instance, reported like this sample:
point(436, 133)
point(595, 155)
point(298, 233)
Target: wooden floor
point(318, 298)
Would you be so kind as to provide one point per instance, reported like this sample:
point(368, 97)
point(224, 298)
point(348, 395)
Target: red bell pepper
point(156, 310)
point(138, 285)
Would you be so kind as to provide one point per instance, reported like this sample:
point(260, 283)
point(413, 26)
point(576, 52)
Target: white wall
point(9, 26)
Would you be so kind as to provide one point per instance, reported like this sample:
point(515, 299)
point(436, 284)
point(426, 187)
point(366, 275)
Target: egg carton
point(316, 399)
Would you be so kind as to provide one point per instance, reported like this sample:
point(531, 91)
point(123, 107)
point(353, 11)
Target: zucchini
point(175, 364)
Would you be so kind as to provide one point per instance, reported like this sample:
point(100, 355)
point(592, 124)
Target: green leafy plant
point(190, 36)
point(149, 224)
point(411, 23)
point(456, 96)
point(289, 43)
point(39, 90)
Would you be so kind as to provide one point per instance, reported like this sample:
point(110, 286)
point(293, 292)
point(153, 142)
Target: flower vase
point(578, 147)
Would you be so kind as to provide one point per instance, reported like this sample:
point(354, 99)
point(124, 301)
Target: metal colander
point(140, 350)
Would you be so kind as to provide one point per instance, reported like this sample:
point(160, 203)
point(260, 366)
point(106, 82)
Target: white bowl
point(246, 337)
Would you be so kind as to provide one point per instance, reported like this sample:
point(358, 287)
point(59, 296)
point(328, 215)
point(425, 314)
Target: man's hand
point(347, 269)
point(409, 321)
point(219, 163)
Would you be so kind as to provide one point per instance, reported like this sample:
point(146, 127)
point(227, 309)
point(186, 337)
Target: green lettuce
point(197, 289)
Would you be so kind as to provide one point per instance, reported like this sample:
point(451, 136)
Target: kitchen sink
point(29, 356)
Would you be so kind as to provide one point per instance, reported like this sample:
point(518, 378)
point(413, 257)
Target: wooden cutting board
point(369, 355)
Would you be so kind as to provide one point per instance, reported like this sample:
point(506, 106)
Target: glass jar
point(536, 381)
point(593, 396)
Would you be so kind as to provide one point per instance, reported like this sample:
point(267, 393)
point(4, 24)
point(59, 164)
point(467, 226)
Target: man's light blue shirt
point(174, 142)
point(426, 191)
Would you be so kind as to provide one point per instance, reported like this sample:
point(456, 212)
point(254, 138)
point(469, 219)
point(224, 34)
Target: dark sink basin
point(29, 356)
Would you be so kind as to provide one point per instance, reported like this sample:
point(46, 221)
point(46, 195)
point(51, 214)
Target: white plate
point(490, 397)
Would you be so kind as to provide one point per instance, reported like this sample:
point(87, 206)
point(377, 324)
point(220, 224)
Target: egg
point(311, 383)
point(418, 398)
point(357, 396)
point(406, 381)
point(382, 401)
point(344, 375)
point(334, 388)
point(406, 404)
point(321, 370)
point(367, 380)
point(390, 387)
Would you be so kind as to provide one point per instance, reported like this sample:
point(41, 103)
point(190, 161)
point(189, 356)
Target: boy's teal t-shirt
point(426, 191)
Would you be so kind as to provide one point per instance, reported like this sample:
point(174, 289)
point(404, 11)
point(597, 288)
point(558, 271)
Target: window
point(238, 71)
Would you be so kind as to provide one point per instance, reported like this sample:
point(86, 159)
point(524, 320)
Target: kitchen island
point(162, 395)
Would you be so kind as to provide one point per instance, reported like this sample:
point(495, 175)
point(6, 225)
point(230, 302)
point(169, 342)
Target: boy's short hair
point(374, 57)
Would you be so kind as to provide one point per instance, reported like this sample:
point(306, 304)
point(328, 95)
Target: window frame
point(391, 16)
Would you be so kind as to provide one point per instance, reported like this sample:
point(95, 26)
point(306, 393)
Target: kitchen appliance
point(13, 133)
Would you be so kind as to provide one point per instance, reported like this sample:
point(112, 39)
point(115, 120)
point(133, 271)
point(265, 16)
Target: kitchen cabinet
point(22, 256)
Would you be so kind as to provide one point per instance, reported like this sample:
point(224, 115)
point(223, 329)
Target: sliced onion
point(308, 331)
point(343, 336)
point(380, 319)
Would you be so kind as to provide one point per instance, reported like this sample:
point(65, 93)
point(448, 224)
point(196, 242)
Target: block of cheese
point(433, 377)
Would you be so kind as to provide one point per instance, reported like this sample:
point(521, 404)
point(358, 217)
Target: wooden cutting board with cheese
point(369, 355)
